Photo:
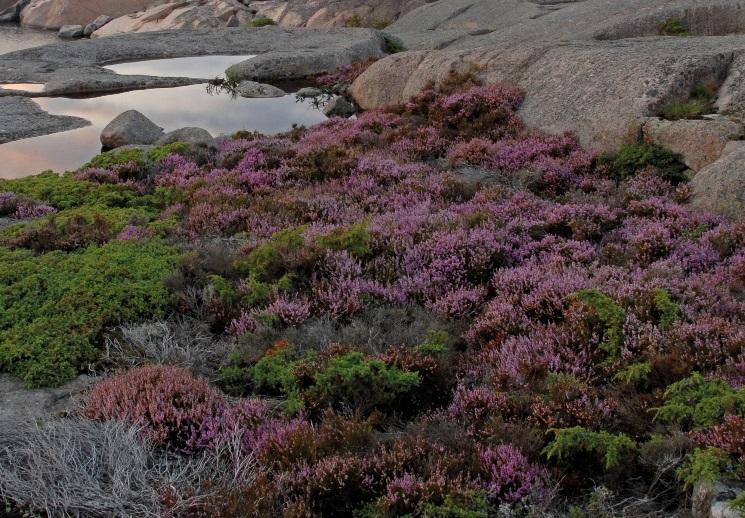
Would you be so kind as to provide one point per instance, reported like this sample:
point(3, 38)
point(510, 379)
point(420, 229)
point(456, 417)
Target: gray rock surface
point(130, 127)
point(720, 187)
point(70, 32)
point(309, 92)
point(19, 403)
point(311, 60)
point(710, 500)
point(700, 142)
point(597, 67)
point(324, 14)
point(20, 117)
point(97, 24)
point(252, 89)
point(179, 14)
point(53, 14)
point(197, 136)
point(339, 107)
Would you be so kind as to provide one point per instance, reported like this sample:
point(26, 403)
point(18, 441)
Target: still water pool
point(170, 108)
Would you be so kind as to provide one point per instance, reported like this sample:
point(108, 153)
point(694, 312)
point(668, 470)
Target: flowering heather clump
point(168, 402)
point(14, 206)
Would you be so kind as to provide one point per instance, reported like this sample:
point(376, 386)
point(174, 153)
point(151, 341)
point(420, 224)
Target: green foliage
point(64, 192)
point(672, 27)
point(261, 21)
point(667, 310)
point(699, 102)
point(632, 158)
point(737, 504)
point(570, 441)
point(108, 159)
point(703, 465)
point(354, 381)
point(53, 306)
point(700, 403)
point(634, 374)
point(393, 45)
point(273, 374)
point(435, 344)
point(608, 314)
point(354, 239)
point(268, 260)
point(158, 153)
point(468, 504)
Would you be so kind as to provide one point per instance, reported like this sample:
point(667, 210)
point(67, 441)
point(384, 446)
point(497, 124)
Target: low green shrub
point(65, 192)
point(632, 158)
point(672, 27)
point(54, 306)
point(354, 381)
point(667, 310)
point(261, 21)
point(354, 239)
point(699, 403)
point(568, 442)
point(703, 465)
point(608, 314)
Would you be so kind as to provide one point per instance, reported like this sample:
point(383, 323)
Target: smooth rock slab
point(700, 142)
point(19, 403)
point(252, 89)
point(20, 117)
point(130, 127)
point(720, 187)
point(53, 14)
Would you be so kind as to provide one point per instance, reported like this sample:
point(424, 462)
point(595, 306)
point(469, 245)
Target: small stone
point(339, 107)
point(96, 24)
point(309, 92)
point(253, 89)
point(233, 21)
point(70, 32)
point(130, 127)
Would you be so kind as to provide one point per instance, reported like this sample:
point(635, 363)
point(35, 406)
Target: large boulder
point(130, 127)
point(700, 142)
point(179, 14)
point(190, 135)
point(596, 67)
point(53, 14)
point(720, 187)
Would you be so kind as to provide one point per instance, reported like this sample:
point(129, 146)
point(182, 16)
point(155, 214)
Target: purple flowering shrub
point(581, 296)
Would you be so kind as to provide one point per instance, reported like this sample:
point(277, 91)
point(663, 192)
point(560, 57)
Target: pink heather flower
point(291, 312)
point(245, 323)
point(132, 233)
point(509, 477)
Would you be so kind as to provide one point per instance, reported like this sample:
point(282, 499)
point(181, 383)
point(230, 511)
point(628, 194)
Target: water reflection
point(170, 108)
point(23, 87)
point(199, 67)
